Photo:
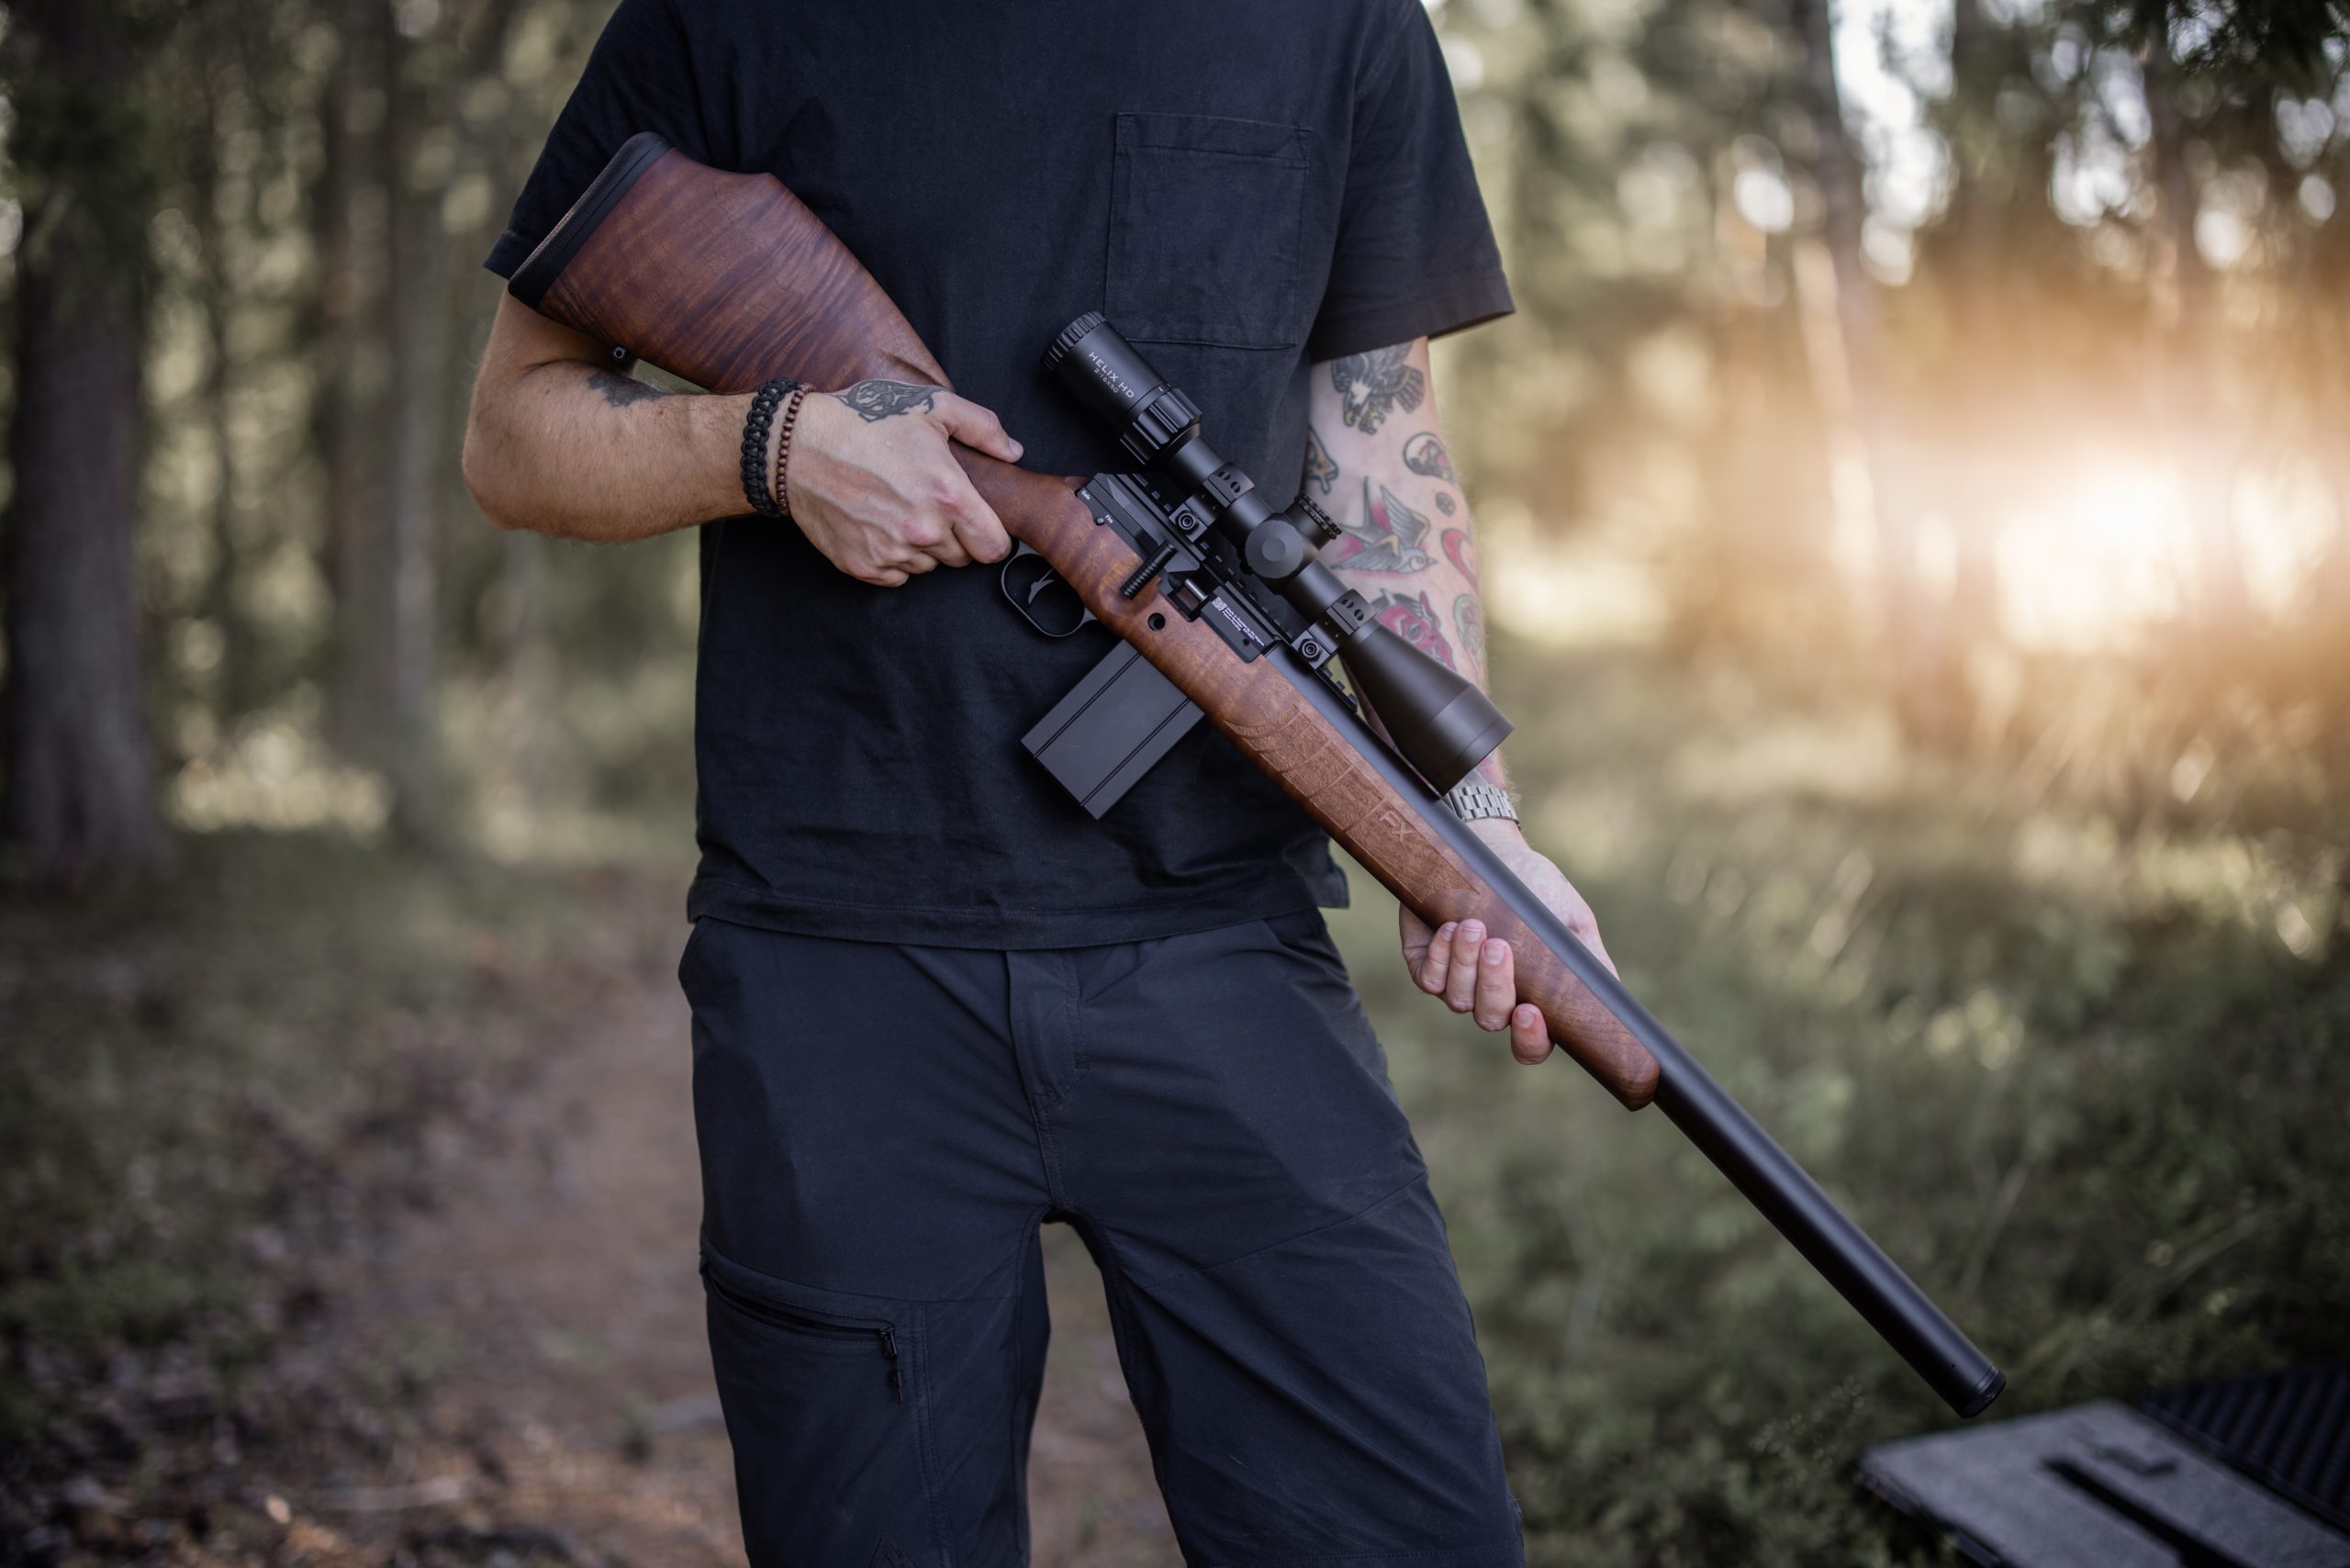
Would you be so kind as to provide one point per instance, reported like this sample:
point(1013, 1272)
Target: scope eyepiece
point(1150, 417)
point(1070, 336)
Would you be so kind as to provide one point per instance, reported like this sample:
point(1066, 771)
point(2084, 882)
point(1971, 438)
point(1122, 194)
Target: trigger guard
point(1024, 602)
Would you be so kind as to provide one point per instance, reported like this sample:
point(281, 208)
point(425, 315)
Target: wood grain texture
point(728, 279)
point(1286, 735)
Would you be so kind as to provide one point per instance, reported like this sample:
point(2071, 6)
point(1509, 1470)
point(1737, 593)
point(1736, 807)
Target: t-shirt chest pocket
point(1206, 221)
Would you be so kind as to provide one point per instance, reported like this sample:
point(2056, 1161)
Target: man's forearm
point(1376, 462)
point(560, 443)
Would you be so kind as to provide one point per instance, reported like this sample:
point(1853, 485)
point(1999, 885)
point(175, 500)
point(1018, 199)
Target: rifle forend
point(726, 279)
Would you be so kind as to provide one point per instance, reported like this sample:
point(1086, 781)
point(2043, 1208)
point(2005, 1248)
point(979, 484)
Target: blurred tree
point(2213, 75)
point(221, 219)
point(428, 58)
point(1978, 74)
point(1991, 272)
point(77, 795)
point(1860, 393)
point(350, 352)
point(2205, 445)
point(2112, 248)
point(415, 319)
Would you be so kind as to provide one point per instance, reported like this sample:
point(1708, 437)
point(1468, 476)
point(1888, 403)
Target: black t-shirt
point(1246, 188)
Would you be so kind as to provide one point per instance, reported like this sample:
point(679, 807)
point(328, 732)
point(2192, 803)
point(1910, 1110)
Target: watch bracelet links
point(1473, 800)
point(755, 443)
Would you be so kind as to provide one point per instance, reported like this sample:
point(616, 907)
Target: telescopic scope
point(1442, 723)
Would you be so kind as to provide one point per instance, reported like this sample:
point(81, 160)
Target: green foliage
point(2068, 1074)
point(2283, 40)
point(80, 149)
point(2101, 241)
point(143, 1303)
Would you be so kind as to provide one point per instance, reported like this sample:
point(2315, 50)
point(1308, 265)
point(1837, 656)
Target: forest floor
point(571, 1408)
point(489, 1348)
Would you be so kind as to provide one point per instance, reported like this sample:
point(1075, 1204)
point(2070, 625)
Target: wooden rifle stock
point(726, 280)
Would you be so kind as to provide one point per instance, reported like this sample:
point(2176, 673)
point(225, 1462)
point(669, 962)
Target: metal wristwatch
point(1473, 800)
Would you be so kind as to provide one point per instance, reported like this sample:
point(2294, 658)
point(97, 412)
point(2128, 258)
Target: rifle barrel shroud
point(726, 279)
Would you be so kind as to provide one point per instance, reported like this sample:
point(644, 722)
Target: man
point(935, 1004)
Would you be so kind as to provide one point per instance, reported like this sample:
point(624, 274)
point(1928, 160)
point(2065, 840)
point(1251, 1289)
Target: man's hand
point(1477, 974)
point(875, 486)
point(1375, 458)
point(559, 442)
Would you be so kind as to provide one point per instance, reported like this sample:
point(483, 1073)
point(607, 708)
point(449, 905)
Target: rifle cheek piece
point(1440, 723)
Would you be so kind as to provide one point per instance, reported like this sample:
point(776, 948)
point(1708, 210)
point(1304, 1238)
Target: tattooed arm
point(559, 443)
point(1375, 460)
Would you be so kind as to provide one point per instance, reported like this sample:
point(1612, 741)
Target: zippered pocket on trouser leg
point(824, 1408)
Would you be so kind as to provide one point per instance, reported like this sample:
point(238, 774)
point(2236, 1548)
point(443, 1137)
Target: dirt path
point(549, 1314)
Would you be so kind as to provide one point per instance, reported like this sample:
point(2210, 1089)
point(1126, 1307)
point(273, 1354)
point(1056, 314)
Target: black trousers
point(883, 1128)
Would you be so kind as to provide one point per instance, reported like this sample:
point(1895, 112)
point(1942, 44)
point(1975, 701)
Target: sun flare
point(2114, 554)
point(2097, 560)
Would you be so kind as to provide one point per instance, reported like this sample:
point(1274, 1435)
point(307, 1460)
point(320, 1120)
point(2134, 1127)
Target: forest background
point(1915, 504)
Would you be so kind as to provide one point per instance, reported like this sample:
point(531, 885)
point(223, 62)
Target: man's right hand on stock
point(560, 441)
point(874, 485)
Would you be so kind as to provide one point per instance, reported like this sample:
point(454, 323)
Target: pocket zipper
point(801, 1323)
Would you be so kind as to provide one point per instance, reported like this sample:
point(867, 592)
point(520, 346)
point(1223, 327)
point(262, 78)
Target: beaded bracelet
point(783, 450)
point(755, 443)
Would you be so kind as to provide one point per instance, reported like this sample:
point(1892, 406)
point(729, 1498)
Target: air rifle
point(726, 279)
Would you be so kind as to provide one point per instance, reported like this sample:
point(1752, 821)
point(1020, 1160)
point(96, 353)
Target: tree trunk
point(1983, 304)
point(1857, 394)
point(416, 315)
point(78, 797)
point(2202, 445)
point(235, 680)
point(358, 688)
